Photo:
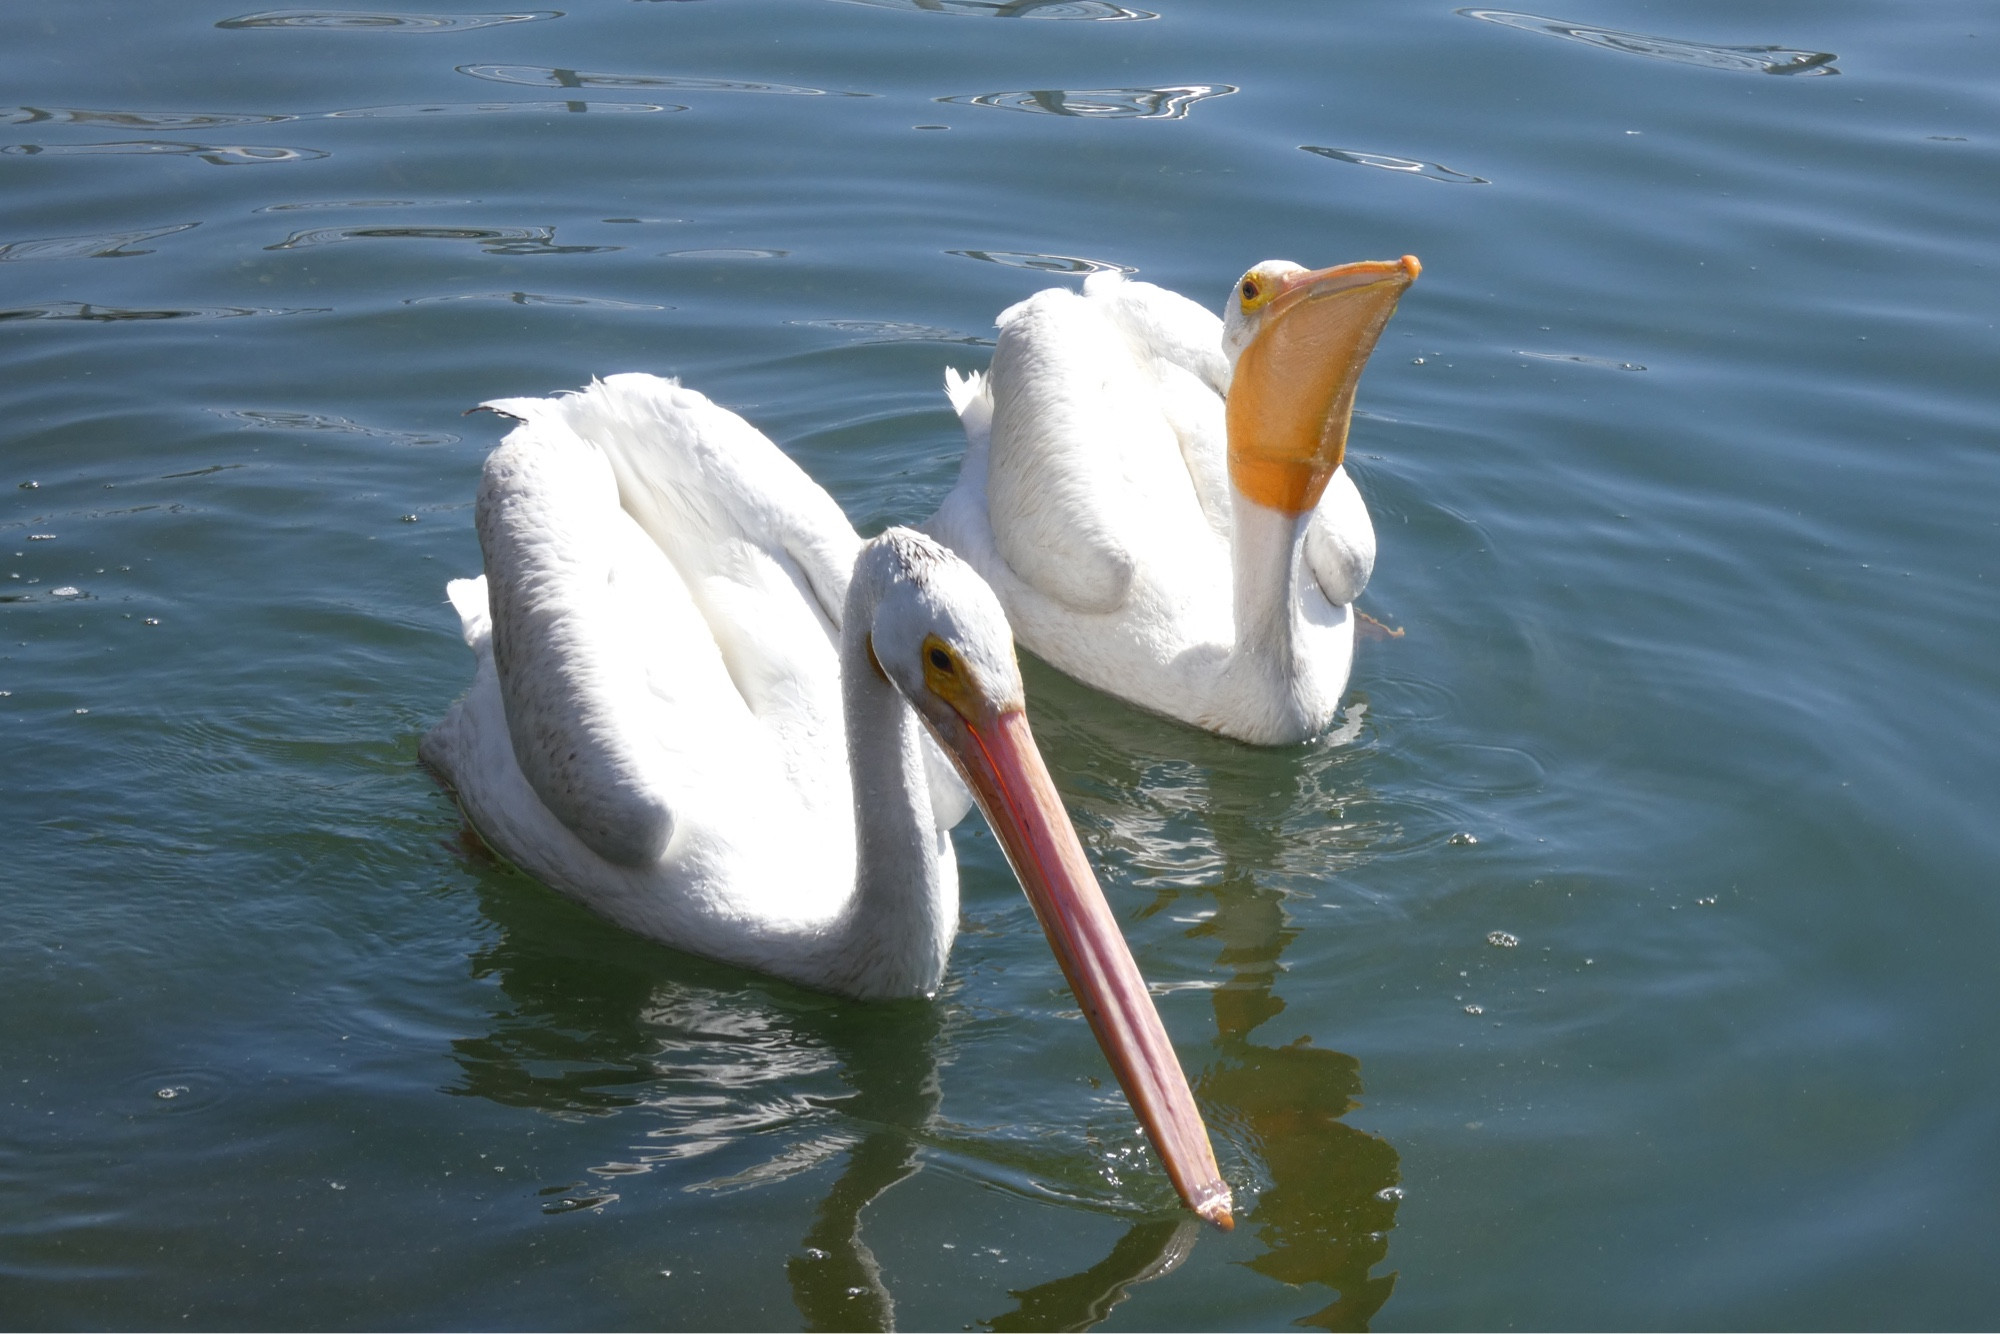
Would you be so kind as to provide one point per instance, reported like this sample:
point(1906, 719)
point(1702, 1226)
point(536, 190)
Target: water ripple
point(1168, 103)
point(1430, 171)
point(222, 155)
point(261, 419)
point(492, 240)
point(889, 331)
point(181, 1090)
point(361, 20)
point(98, 245)
point(364, 203)
point(535, 299)
point(93, 313)
point(496, 108)
point(744, 253)
point(1744, 59)
point(1089, 10)
point(540, 76)
point(1581, 360)
point(1024, 259)
point(134, 120)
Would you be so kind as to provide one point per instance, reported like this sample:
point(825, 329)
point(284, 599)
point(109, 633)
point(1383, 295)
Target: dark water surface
point(1626, 959)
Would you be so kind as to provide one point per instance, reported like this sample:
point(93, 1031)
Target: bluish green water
point(1626, 959)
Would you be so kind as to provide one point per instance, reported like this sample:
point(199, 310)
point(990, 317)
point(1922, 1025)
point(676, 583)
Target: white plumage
point(1133, 531)
point(656, 723)
point(706, 709)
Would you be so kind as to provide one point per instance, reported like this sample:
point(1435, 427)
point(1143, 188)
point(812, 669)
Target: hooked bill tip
point(1411, 266)
point(1215, 1207)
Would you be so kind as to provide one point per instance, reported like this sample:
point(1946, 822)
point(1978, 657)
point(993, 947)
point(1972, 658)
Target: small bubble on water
point(152, 620)
point(81, 712)
point(1416, 361)
point(409, 518)
point(338, 1185)
point(815, 1253)
point(1505, 940)
point(31, 486)
point(170, 1091)
point(66, 591)
point(1475, 1009)
point(40, 537)
point(1462, 840)
point(1390, 1193)
point(666, 1273)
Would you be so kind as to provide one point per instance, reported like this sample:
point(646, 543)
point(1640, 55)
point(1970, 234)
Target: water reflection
point(255, 419)
point(500, 109)
point(90, 312)
point(543, 76)
point(893, 331)
point(1429, 171)
point(1150, 1250)
point(1023, 259)
point(1580, 359)
point(99, 245)
point(761, 1080)
point(1741, 59)
point(363, 21)
point(743, 1082)
point(362, 203)
point(745, 1076)
point(221, 155)
point(1194, 818)
point(1326, 1213)
point(1168, 103)
point(134, 120)
point(1089, 10)
point(737, 252)
point(491, 240)
point(535, 299)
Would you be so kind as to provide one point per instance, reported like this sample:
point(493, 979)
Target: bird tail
point(971, 398)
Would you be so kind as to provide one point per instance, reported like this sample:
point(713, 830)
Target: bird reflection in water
point(1233, 825)
point(766, 1080)
point(1331, 1199)
point(598, 1022)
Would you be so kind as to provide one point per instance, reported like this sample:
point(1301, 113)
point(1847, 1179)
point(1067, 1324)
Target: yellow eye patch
point(946, 676)
point(1255, 291)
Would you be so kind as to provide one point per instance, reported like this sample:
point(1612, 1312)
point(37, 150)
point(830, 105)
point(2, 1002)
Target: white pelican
point(1157, 495)
point(696, 711)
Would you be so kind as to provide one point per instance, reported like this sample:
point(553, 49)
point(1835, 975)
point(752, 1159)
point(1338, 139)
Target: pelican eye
point(1256, 290)
point(946, 676)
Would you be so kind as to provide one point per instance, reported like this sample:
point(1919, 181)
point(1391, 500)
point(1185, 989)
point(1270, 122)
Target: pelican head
point(937, 634)
point(1297, 340)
